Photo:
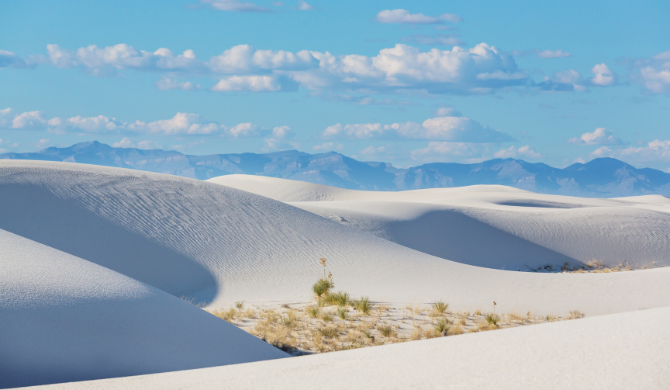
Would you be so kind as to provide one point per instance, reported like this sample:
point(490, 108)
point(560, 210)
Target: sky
point(405, 82)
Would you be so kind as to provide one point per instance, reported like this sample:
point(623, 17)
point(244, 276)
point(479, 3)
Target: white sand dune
point(219, 245)
point(490, 226)
point(64, 319)
point(622, 351)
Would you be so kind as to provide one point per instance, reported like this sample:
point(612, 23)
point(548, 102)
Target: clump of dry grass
point(313, 311)
point(440, 307)
point(576, 314)
point(385, 330)
point(492, 319)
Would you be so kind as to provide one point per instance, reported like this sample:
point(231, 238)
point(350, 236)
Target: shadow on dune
point(541, 203)
point(37, 214)
point(452, 235)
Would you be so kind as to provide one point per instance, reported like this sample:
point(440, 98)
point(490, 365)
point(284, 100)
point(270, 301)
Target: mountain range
point(601, 177)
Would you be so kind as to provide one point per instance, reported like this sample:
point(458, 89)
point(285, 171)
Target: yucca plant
point(441, 326)
point(322, 287)
point(440, 307)
point(492, 319)
point(363, 305)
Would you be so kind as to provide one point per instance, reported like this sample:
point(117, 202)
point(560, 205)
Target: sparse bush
point(340, 299)
point(363, 305)
point(385, 330)
point(492, 319)
point(239, 305)
point(227, 315)
point(329, 332)
point(289, 319)
point(313, 311)
point(455, 330)
point(441, 326)
point(440, 307)
point(343, 313)
point(576, 314)
point(417, 334)
point(326, 317)
point(323, 286)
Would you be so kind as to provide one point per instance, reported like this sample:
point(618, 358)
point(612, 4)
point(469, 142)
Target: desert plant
point(343, 313)
point(440, 307)
point(227, 315)
point(455, 330)
point(576, 314)
point(417, 334)
point(385, 330)
point(492, 319)
point(329, 332)
point(289, 320)
point(441, 326)
point(322, 286)
point(340, 299)
point(363, 305)
point(239, 305)
point(313, 311)
point(327, 317)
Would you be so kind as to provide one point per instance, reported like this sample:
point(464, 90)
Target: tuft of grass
point(441, 326)
point(455, 330)
point(576, 314)
point(492, 319)
point(313, 311)
point(343, 313)
point(385, 330)
point(322, 286)
point(363, 305)
point(417, 334)
point(226, 315)
point(327, 317)
point(239, 305)
point(329, 332)
point(440, 307)
point(289, 320)
point(341, 298)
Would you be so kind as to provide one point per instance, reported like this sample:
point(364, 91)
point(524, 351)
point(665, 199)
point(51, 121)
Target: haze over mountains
point(602, 177)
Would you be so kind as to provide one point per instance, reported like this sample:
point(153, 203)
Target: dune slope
point(622, 351)
point(219, 245)
point(65, 319)
point(491, 226)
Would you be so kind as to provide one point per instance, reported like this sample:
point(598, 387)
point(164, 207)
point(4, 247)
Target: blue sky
point(397, 81)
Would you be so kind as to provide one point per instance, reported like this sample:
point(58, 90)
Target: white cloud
point(11, 60)
point(242, 130)
point(438, 39)
point(552, 53)
point(401, 16)
point(32, 120)
point(600, 136)
point(167, 83)
point(447, 111)
point(372, 151)
point(327, 146)
point(302, 6)
point(247, 83)
point(445, 128)
point(127, 143)
point(245, 59)
point(522, 152)
point(281, 132)
point(181, 123)
point(653, 73)
point(602, 76)
point(96, 124)
point(234, 6)
point(654, 151)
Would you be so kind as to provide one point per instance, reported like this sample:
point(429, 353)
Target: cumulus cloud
point(602, 75)
point(128, 143)
point(444, 128)
point(571, 80)
point(653, 73)
point(30, 120)
point(654, 151)
point(303, 6)
point(181, 123)
point(478, 70)
point(401, 16)
point(167, 83)
point(327, 146)
point(438, 39)
point(600, 136)
point(247, 83)
point(521, 152)
point(11, 60)
point(234, 6)
point(79, 124)
point(544, 53)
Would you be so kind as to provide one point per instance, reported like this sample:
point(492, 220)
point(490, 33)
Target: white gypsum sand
point(65, 319)
point(218, 245)
point(621, 351)
point(491, 226)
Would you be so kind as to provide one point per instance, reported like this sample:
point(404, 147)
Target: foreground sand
point(622, 351)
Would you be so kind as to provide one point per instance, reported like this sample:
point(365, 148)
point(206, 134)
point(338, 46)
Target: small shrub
point(441, 326)
point(313, 311)
point(366, 333)
point(440, 307)
point(289, 320)
point(340, 299)
point(492, 319)
point(343, 313)
point(227, 315)
point(455, 330)
point(385, 330)
point(363, 305)
point(326, 317)
point(239, 305)
point(323, 286)
point(576, 314)
point(416, 334)
point(329, 332)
